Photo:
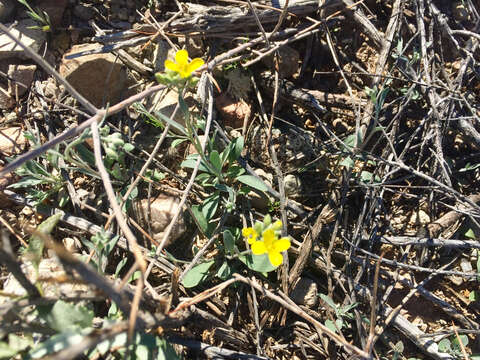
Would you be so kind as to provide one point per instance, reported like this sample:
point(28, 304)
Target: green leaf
point(470, 234)
point(216, 161)
point(65, 316)
point(331, 325)
point(36, 245)
point(191, 162)
point(259, 263)
point(235, 171)
point(444, 345)
point(210, 206)
point(474, 295)
point(128, 147)
point(183, 108)
point(177, 142)
point(200, 218)
point(27, 182)
point(328, 301)
point(197, 274)
point(229, 242)
point(237, 148)
point(253, 182)
point(172, 122)
point(57, 342)
point(224, 272)
point(456, 343)
point(348, 162)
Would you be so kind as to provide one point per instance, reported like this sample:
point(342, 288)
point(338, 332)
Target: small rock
point(89, 74)
point(287, 62)
point(32, 38)
point(7, 7)
point(163, 209)
point(84, 12)
point(12, 141)
point(24, 75)
point(457, 280)
point(27, 211)
point(305, 293)
point(54, 9)
point(466, 265)
point(11, 117)
point(5, 181)
point(293, 185)
point(233, 112)
point(6, 101)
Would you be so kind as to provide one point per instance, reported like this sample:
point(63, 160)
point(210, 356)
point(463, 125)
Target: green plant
point(452, 346)
point(342, 313)
point(39, 16)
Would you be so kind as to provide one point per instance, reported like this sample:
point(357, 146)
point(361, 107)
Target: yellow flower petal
point(258, 248)
point(181, 58)
point(194, 65)
point(170, 65)
point(268, 237)
point(275, 258)
point(250, 234)
point(281, 244)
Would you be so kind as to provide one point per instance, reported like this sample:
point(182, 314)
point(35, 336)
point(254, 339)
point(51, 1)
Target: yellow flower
point(272, 246)
point(250, 234)
point(181, 64)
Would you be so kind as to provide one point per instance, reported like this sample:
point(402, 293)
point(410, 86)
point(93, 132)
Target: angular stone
point(166, 103)
point(12, 141)
point(94, 76)
point(163, 209)
point(32, 38)
point(24, 75)
point(293, 185)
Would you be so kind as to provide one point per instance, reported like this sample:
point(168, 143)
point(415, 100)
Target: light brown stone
point(163, 209)
point(95, 76)
point(305, 293)
point(32, 38)
point(12, 141)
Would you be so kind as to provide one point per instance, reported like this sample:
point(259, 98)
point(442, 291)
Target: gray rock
point(32, 38)
point(288, 61)
point(7, 7)
point(22, 74)
point(305, 293)
point(160, 54)
point(12, 141)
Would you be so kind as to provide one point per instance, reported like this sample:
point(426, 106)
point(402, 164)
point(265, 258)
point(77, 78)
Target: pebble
point(305, 292)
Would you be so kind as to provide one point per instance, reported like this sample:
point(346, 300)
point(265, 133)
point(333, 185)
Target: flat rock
point(166, 103)
point(97, 77)
point(24, 75)
point(32, 38)
point(163, 209)
point(12, 141)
